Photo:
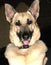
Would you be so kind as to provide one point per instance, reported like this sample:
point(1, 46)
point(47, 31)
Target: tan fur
point(33, 26)
point(36, 53)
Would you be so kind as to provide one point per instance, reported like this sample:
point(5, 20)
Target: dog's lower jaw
point(24, 47)
point(25, 44)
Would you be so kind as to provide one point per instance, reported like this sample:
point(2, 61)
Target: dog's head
point(24, 30)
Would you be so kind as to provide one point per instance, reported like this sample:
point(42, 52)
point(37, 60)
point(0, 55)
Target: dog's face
point(24, 30)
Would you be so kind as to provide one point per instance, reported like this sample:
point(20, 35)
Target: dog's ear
point(9, 12)
point(34, 8)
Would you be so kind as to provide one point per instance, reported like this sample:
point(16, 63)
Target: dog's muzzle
point(25, 35)
point(25, 38)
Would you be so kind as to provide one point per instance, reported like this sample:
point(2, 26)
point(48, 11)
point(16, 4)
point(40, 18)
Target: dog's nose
point(25, 35)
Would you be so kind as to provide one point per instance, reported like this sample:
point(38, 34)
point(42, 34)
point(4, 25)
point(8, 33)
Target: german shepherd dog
point(25, 47)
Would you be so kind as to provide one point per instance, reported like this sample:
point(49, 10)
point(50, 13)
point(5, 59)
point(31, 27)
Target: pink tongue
point(26, 42)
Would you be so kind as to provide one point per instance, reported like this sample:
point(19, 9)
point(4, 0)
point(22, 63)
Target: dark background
point(44, 19)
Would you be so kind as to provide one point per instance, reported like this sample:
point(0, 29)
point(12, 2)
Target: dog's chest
point(16, 57)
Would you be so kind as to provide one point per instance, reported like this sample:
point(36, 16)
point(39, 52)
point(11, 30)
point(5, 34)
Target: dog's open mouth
point(26, 44)
point(25, 38)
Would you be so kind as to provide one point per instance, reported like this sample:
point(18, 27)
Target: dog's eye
point(18, 23)
point(29, 22)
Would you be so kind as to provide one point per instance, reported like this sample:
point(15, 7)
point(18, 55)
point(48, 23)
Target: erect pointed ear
point(34, 8)
point(9, 12)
